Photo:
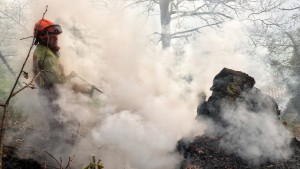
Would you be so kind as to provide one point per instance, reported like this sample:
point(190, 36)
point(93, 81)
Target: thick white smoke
point(146, 106)
point(256, 137)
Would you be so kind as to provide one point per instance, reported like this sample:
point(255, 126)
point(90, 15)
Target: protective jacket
point(47, 62)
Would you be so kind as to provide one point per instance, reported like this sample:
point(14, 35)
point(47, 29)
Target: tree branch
point(69, 162)
point(141, 1)
point(195, 29)
point(27, 85)
point(54, 159)
point(289, 9)
point(265, 10)
point(197, 9)
point(182, 36)
point(18, 23)
point(188, 14)
point(26, 37)
point(28, 54)
point(2, 129)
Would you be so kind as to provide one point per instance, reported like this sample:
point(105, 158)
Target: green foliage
point(93, 165)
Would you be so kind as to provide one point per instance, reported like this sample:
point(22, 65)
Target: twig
point(196, 29)
point(69, 162)
point(54, 159)
point(10, 17)
point(27, 85)
point(26, 37)
point(289, 9)
point(60, 167)
point(94, 161)
point(45, 12)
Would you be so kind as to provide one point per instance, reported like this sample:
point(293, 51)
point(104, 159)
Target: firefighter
point(46, 61)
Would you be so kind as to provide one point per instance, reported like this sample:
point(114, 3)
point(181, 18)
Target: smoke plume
point(147, 105)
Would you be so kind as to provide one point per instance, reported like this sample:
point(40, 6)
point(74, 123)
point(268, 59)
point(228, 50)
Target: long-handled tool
point(73, 74)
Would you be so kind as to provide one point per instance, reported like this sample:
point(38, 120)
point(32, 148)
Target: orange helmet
point(44, 28)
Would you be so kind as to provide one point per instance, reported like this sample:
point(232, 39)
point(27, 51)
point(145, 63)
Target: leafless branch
point(157, 33)
point(2, 129)
point(265, 10)
point(69, 162)
point(10, 17)
point(30, 84)
point(26, 37)
point(59, 164)
point(196, 10)
point(195, 29)
point(189, 14)
point(232, 8)
point(182, 36)
point(22, 68)
point(45, 12)
point(141, 1)
point(289, 9)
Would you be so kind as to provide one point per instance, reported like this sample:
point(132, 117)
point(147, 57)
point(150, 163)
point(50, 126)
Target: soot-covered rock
point(230, 90)
point(235, 88)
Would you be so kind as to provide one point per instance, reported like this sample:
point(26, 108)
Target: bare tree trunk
point(165, 19)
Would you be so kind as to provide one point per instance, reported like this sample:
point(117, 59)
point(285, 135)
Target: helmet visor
point(53, 30)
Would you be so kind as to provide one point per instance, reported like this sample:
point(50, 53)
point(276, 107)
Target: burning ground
point(150, 100)
point(243, 130)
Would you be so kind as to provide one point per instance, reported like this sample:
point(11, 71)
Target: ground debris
point(212, 156)
point(12, 161)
